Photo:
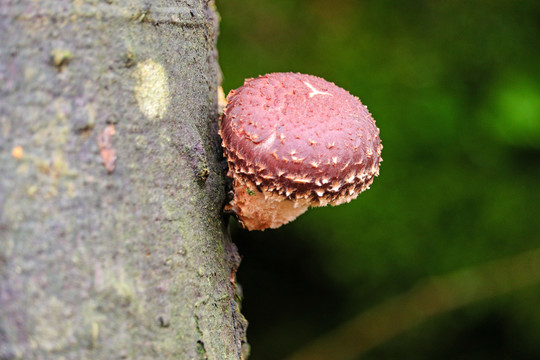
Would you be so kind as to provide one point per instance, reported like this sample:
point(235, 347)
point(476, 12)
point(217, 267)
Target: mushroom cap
point(301, 137)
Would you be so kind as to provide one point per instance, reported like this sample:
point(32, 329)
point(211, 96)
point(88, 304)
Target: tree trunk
point(112, 243)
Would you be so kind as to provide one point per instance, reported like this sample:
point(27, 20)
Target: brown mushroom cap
point(298, 138)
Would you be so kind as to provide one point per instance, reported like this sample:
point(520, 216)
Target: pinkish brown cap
point(293, 141)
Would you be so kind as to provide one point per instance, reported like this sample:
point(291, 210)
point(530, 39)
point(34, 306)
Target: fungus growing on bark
point(293, 141)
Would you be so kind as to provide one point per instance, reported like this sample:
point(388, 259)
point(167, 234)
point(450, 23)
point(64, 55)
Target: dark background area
point(455, 89)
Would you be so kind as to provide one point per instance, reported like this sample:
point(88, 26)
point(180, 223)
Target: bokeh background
point(454, 86)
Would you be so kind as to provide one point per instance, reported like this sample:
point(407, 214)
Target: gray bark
point(112, 243)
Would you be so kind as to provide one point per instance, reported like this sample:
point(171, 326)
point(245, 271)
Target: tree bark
point(112, 242)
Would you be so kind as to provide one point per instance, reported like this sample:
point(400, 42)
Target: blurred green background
point(454, 86)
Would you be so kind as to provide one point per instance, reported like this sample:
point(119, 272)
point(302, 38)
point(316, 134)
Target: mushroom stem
point(259, 210)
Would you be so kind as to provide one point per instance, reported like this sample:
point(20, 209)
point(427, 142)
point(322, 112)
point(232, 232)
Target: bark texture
point(112, 243)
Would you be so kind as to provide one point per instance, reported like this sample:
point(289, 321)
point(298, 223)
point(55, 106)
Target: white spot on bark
point(152, 89)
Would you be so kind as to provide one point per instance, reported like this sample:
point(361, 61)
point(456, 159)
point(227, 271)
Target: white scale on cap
point(314, 91)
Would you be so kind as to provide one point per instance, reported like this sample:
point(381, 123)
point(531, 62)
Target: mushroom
point(293, 141)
